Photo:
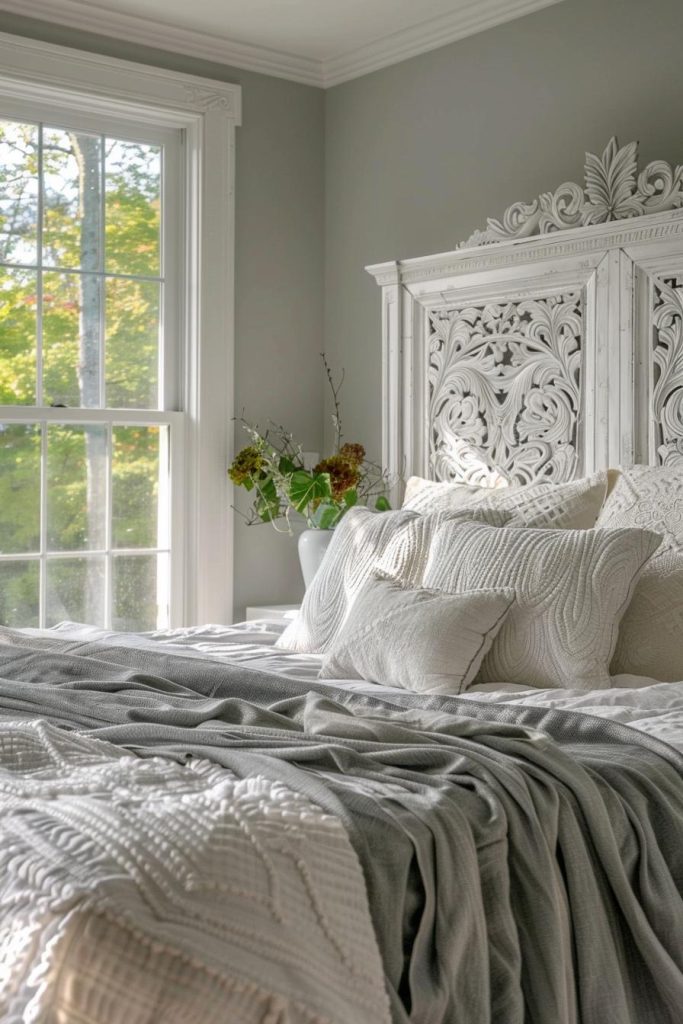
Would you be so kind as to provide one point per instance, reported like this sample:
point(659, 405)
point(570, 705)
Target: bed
point(449, 790)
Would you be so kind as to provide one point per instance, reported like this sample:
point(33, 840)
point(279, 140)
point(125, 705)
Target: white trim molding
point(470, 18)
point(548, 356)
point(206, 113)
point(119, 87)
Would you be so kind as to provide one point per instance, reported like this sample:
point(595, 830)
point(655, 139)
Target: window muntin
point(85, 531)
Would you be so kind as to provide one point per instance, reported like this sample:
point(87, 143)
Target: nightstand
point(272, 611)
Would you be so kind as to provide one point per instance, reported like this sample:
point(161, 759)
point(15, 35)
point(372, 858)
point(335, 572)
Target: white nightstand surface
point(271, 611)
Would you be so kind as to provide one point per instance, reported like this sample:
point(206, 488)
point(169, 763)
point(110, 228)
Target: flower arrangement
point(273, 467)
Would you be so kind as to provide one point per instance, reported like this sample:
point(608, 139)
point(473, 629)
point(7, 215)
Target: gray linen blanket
point(522, 865)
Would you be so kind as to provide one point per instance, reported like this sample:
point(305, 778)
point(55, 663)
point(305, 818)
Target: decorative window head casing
point(551, 345)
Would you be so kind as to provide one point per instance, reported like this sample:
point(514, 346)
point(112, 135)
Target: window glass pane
point(19, 488)
point(18, 192)
point(75, 590)
point(136, 466)
point(19, 589)
point(132, 344)
point(136, 580)
point(18, 303)
point(72, 199)
point(72, 339)
point(133, 208)
point(76, 487)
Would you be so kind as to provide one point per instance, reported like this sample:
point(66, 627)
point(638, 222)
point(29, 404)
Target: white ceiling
point(321, 42)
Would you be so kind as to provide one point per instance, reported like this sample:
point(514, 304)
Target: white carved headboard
point(548, 345)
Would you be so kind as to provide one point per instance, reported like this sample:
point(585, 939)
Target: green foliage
point(306, 488)
point(70, 304)
point(272, 467)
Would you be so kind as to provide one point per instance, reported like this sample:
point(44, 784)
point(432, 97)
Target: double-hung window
point(102, 348)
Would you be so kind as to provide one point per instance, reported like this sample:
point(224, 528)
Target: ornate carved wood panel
point(505, 378)
point(667, 376)
point(552, 345)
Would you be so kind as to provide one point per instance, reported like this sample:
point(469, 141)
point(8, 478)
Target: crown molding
point(476, 16)
point(161, 36)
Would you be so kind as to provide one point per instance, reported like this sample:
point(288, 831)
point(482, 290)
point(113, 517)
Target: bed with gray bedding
point(521, 863)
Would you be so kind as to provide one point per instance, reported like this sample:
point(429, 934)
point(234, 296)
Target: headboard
point(548, 345)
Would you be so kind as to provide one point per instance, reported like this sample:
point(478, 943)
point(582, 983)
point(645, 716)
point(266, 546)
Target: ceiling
point(320, 42)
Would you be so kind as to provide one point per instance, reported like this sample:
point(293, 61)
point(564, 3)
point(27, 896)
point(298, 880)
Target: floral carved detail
point(209, 99)
point(613, 190)
point(667, 394)
point(505, 390)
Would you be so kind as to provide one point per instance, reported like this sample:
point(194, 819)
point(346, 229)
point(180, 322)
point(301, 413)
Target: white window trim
point(207, 112)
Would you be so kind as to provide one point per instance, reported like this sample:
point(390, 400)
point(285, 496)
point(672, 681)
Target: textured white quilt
point(138, 890)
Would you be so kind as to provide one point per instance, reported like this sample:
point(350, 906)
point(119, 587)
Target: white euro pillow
point(417, 639)
point(651, 634)
point(394, 543)
point(571, 589)
point(570, 506)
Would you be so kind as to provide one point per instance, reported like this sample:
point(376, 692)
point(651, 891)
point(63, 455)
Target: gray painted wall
point(420, 154)
point(279, 272)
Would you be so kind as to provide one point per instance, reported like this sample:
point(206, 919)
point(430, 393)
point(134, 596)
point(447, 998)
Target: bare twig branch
point(335, 389)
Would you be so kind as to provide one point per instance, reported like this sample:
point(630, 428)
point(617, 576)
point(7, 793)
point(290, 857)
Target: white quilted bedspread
point(137, 890)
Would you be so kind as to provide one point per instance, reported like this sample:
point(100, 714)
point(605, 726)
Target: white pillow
point(421, 640)
point(394, 543)
point(571, 588)
point(651, 634)
point(571, 506)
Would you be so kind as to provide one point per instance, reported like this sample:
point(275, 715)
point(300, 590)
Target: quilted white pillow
point(394, 543)
point(571, 589)
point(571, 506)
point(421, 640)
point(651, 633)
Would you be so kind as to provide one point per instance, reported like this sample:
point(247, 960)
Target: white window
point(115, 341)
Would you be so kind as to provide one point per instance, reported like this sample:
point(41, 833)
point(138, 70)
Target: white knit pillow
point(421, 640)
point(651, 634)
point(571, 588)
point(571, 506)
point(394, 543)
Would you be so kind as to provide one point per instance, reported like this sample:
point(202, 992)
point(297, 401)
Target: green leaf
point(382, 504)
point(305, 487)
point(267, 513)
point(248, 484)
point(286, 466)
point(351, 497)
point(328, 517)
point(267, 504)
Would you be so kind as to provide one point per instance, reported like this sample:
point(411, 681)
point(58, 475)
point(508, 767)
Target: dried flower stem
point(335, 389)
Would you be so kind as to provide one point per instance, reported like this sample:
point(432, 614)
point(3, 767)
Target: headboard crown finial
point(613, 190)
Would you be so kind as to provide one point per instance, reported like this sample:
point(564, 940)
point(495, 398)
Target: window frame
point(113, 96)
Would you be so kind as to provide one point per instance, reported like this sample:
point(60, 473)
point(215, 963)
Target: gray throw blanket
point(522, 865)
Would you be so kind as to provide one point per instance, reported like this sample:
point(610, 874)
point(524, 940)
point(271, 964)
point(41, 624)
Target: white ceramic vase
point(312, 547)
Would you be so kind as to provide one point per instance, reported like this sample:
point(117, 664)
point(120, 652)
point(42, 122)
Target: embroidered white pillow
point(651, 634)
point(394, 543)
point(571, 589)
point(571, 506)
point(421, 640)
